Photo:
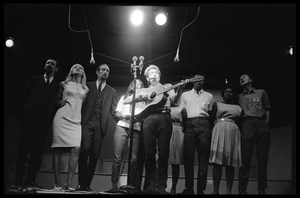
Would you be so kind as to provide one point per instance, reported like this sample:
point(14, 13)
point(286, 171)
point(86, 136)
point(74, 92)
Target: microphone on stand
point(176, 59)
point(141, 63)
point(134, 59)
point(92, 61)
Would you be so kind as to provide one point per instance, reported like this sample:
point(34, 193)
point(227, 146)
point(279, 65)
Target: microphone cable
point(187, 25)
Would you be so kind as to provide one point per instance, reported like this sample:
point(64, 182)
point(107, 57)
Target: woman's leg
point(229, 178)
point(217, 174)
point(56, 160)
point(73, 160)
point(175, 177)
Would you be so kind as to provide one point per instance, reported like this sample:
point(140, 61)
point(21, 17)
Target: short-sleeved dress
point(226, 138)
point(176, 142)
point(67, 120)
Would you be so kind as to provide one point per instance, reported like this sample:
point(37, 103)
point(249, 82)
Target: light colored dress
point(226, 138)
point(176, 142)
point(67, 120)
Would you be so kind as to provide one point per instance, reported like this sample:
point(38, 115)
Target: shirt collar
point(50, 79)
point(250, 91)
point(198, 92)
point(98, 82)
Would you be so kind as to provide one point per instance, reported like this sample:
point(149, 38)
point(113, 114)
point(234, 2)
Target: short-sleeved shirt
point(196, 104)
point(254, 103)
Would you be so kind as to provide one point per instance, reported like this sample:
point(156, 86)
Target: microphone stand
point(127, 188)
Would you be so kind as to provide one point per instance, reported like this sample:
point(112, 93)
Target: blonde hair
point(151, 67)
point(83, 77)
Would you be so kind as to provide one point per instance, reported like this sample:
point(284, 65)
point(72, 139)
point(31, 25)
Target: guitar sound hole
point(152, 95)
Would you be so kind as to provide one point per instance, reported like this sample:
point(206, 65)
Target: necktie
point(48, 80)
point(99, 87)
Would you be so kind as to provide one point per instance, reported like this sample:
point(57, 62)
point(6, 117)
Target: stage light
point(161, 18)
point(9, 42)
point(291, 50)
point(137, 17)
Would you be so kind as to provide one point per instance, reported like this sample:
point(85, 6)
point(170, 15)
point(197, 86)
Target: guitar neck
point(168, 88)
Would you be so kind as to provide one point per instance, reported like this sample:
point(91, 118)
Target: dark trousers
point(91, 144)
point(32, 140)
point(197, 137)
point(157, 129)
point(256, 132)
point(121, 143)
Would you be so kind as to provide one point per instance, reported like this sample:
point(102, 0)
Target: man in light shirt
point(198, 104)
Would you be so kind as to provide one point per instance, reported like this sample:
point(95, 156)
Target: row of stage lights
point(137, 17)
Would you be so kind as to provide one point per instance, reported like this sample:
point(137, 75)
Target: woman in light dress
point(67, 123)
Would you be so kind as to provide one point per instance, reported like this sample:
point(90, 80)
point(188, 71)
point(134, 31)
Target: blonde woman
point(67, 123)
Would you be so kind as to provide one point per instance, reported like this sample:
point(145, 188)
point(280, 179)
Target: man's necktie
point(99, 87)
point(48, 80)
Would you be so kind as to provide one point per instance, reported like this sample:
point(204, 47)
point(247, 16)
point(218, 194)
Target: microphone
point(134, 59)
point(176, 59)
point(92, 61)
point(141, 63)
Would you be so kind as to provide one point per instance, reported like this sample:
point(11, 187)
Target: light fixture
point(137, 17)
point(161, 18)
point(9, 42)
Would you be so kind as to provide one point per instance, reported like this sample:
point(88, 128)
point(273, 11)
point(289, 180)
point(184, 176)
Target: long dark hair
point(130, 88)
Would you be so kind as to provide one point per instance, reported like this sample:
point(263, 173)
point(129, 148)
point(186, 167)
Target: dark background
point(224, 42)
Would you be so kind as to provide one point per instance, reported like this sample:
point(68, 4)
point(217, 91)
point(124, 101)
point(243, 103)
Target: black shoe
point(162, 191)
point(32, 185)
point(150, 191)
point(187, 191)
point(243, 193)
point(88, 189)
point(200, 192)
point(114, 189)
point(82, 188)
point(261, 192)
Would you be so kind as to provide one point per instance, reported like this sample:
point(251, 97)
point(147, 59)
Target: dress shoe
point(243, 193)
point(162, 191)
point(88, 189)
point(200, 192)
point(187, 191)
point(69, 188)
point(114, 189)
point(261, 192)
point(150, 191)
point(32, 185)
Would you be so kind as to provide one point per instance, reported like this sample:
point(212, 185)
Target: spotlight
point(137, 17)
point(9, 42)
point(161, 18)
point(291, 50)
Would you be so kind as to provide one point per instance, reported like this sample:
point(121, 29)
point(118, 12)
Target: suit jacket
point(32, 95)
point(109, 105)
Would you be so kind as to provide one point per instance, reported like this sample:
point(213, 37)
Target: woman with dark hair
point(121, 137)
point(225, 150)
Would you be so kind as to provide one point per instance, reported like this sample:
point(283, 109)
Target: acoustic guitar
point(147, 100)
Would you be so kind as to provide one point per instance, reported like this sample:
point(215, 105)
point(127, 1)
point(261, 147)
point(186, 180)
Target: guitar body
point(149, 100)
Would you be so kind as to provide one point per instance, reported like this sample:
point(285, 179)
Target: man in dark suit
point(100, 100)
point(38, 109)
